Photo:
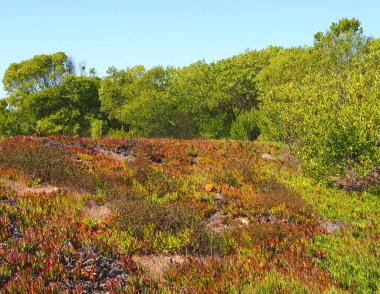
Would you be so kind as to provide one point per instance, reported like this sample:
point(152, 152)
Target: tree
point(235, 94)
point(245, 126)
point(36, 74)
point(284, 85)
point(48, 98)
point(324, 101)
point(141, 100)
point(9, 124)
point(70, 108)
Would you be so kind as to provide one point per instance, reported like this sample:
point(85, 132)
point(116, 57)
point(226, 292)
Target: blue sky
point(166, 32)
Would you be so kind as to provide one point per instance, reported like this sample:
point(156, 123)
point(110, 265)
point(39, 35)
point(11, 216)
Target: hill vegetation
point(321, 101)
point(96, 215)
point(257, 173)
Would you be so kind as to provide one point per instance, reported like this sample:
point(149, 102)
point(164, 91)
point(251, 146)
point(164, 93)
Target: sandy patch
point(96, 211)
point(157, 265)
point(22, 189)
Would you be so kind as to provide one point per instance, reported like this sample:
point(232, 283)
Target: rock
point(288, 157)
point(216, 222)
point(244, 221)
point(331, 226)
point(267, 156)
point(194, 160)
point(123, 150)
point(218, 197)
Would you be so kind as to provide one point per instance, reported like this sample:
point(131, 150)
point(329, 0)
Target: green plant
point(245, 127)
point(137, 214)
point(165, 242)
point(35, 182)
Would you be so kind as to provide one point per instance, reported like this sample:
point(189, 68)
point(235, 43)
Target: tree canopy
point(322, 101)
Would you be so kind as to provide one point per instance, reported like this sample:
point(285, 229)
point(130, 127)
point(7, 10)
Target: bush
point(48, 165)
point(215, 127)
point(119, 134)
point(138, 214)
point(98, 128)
point(245, 127)
point(172, 220)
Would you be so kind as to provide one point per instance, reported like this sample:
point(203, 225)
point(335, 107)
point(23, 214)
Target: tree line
point(323, 101)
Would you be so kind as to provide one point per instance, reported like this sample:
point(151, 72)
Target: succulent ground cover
point(232, 216)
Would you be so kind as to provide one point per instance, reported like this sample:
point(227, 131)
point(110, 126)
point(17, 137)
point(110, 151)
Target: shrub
point(138, 214)
point(98, 128)
point(49, 165)
point(215, 127)
point(115, 133)
point(245, 127)
point(152, 219)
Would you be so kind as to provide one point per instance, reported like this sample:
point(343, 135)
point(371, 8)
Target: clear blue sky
point(166, 32)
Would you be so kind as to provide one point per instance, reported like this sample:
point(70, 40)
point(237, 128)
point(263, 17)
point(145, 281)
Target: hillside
point(95, 215)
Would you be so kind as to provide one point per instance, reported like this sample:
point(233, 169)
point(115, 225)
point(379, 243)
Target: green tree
point(235, 92)
point(70, 108)
point(48, 98)
point(9, 123)
point(323, 101)
point(245, 127)
point(284, 86)
point(142, 101)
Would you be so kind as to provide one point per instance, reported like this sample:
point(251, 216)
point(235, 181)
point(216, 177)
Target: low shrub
point(138, 214)
point(47, 164)
point(287, 203)
point(152, 219)
point(245, 127)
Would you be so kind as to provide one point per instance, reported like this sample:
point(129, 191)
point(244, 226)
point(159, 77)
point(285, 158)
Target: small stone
point(218, 197)
point(331, 226)
point(123, 150)
point(194, 160)
point(244, 221)
point(267, 156)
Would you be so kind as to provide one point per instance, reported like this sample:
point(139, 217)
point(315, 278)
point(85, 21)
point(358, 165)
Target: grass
point(353, 253)
point(162, 200)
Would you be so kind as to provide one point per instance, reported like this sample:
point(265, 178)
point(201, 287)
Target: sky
point(125, 33)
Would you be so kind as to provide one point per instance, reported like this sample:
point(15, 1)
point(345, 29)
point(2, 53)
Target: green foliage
point(98, 128)
point(352, 251)
point(118, 133)
point(276, 283)
point(48, 98)
point(199, 99)
point(39, 73)
point(353, 263)
point(323, 101)
point(215, 127)
point(246, 224)
point(141, 100)
point(9, 120)
point(164, 242)
point(246, 126)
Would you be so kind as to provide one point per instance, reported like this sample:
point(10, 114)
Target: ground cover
point(122, 215)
